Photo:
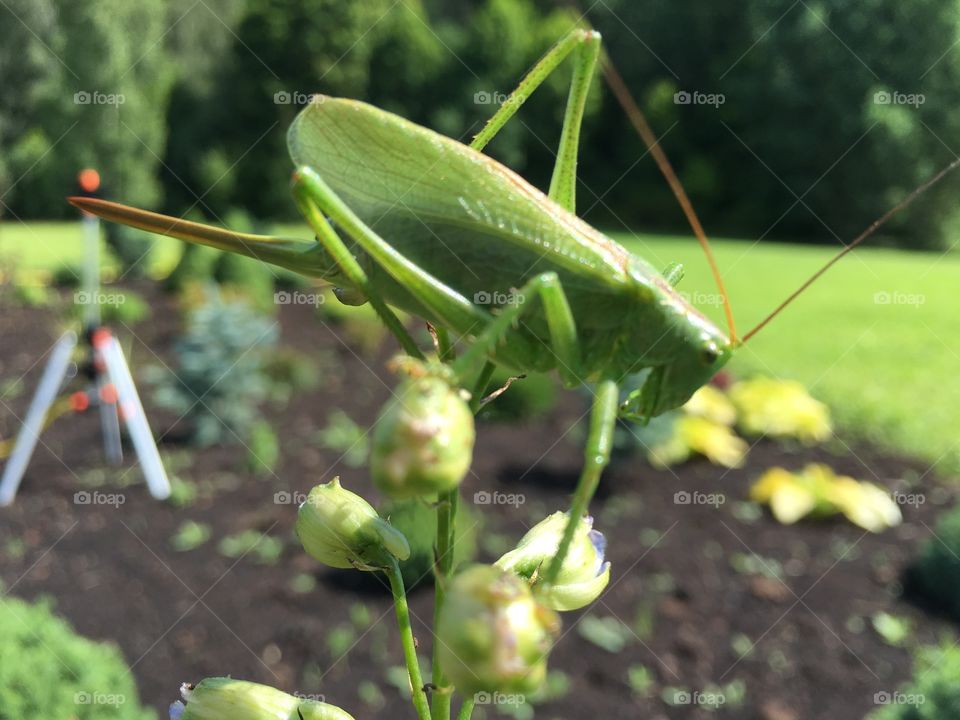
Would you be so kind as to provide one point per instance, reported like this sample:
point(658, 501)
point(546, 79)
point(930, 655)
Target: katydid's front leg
point(348, 264)
point(603, 419)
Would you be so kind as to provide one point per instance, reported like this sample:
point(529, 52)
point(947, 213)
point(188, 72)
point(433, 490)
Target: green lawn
point(878, 337)
point(888, 370)
point(46, 246)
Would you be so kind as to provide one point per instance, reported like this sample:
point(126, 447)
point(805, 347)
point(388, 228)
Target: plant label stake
point(110, 388)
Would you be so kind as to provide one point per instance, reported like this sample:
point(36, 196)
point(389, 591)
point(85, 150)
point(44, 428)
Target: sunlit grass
point(43, 247)
point(878, 337)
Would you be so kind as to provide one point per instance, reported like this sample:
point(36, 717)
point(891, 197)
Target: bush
point(935, 574)
point(263, 449)
point(252, 278)
point(132, 310)
point(47, 671)
point(418, 522)
point(131, 247)
point(932, 694)
point(220, 379)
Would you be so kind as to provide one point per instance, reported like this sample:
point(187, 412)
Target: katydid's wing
point(440, 202)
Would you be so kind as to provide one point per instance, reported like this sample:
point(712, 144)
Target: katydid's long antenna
point(871, 229)
point(640, 124)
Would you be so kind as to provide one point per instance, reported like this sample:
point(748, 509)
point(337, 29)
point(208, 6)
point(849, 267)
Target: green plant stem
point(406, 637)
point(446, 541)
point(446, 536)
point(466, 710)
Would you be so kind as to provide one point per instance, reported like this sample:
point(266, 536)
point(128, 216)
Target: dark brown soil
point(692, 582)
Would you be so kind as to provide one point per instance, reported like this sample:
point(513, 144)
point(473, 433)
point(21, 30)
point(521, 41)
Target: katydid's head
point(700, 350)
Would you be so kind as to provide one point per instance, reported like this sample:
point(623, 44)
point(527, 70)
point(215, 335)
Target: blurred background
point(792, 124)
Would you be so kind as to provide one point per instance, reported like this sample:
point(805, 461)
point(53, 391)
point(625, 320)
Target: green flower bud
point(583, 575)
point(423, 441)
point(341, 529)
point(494, 636)
point(223, 698)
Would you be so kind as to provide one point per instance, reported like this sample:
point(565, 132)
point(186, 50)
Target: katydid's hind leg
point(446, 304)
point(560, 324)
point(563, 183)
point(603, 420)
point(362, 288)
point(586, 43)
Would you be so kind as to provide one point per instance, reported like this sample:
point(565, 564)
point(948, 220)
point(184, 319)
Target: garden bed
point(709, 598)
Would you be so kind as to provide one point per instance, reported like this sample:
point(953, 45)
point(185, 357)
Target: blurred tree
point(86, 83)
point(802, 146)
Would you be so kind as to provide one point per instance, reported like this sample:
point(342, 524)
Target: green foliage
point(219, 381)
point(935, 573)
point(251, 278)
point(418, 522)
point(190, 535)
point(46, 670)
point(66, 277)
point(814, 70)
point(263, 449)
point(932, 694)
point(70, 107)
point(130, 246)
point(264, 549)
point(608, 632)
point(130, 309)
point(195, 265)
point(292, 372)
point(344, 436)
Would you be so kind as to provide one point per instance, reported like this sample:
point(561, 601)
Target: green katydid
point(433, 227)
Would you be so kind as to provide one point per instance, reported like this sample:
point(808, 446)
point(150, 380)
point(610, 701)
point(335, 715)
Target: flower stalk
point(406, 638)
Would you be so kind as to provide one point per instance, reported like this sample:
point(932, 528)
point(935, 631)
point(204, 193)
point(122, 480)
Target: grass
point(887, 369)
point(877, 338)
point(39, 248)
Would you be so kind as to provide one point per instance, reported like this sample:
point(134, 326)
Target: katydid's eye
point(709, 355)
